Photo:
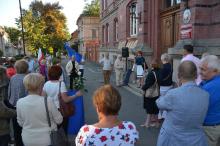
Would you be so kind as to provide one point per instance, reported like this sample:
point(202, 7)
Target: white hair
point(212, 62)
point(165, 57)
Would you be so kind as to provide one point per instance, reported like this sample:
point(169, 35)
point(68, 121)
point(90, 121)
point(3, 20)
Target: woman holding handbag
point(54, 88)
point(151, 94)
point(32, 115)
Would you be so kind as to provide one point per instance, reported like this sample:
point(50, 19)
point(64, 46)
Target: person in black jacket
point(166, 73)
point(150, 101)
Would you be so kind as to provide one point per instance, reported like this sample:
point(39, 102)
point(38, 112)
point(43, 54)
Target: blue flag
point(71, 52)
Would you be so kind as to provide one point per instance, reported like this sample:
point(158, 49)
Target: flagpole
point(22, 27)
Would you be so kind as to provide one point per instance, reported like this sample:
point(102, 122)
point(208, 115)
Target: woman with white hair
point(118, 65)
point(32, 116)
point(166, 73)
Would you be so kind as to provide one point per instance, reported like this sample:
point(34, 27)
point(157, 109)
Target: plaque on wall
point(186, 31)
point(186, 16)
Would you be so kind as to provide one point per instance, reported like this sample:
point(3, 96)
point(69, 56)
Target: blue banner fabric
point(77, 120)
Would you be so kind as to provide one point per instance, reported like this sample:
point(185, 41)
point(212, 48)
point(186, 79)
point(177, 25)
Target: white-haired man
point(210, 74)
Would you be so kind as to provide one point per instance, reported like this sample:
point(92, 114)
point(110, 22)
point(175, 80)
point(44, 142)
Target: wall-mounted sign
point(186, 16)
point(186, 31)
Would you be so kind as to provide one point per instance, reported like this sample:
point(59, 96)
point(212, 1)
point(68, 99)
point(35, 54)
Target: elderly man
point(119, 65)
point(210, 73)
point(186, 108)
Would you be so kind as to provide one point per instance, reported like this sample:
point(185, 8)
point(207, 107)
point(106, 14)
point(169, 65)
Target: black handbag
point(57, 137)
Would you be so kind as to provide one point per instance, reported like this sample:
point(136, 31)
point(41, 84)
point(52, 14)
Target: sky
point(9, 10)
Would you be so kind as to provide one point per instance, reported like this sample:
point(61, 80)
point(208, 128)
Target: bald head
point(187, 71)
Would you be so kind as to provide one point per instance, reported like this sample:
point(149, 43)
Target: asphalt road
point(131, 109)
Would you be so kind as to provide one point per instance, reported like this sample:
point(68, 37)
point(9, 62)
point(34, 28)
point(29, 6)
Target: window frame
point(133, 14)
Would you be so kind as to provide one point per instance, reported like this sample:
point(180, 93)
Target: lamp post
point(22, 27)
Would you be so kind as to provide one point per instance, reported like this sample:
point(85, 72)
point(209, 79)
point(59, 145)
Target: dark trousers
point(82, 72)
point(4, 140)
point(17, 132)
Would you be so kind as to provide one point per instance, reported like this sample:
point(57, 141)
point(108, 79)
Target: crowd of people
point(188, 110)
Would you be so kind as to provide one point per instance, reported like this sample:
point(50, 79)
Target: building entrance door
point(170, 27)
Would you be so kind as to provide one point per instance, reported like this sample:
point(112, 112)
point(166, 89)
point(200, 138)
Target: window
point(103, 34)
point(104, 4)
point(107, 33)
point(93, 34)
point(133, 19)
point(116, 30)
point(170, 3)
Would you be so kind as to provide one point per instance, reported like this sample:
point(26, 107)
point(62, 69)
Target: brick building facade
point(157, 26)
point(89, 36)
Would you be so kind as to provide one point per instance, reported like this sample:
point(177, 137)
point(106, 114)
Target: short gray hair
point(212, 61)
point(165, 57)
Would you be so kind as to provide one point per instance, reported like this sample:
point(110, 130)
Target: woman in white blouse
point(51, 90)
point(31, 113)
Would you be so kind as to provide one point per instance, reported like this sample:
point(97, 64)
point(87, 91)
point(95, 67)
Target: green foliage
point(78, 83)
point(92, 9)
point(13, 33)
point(44, 26)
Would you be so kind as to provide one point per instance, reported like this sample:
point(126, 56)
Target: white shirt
point(31, 116)
point(52, 90)
point(107, 64)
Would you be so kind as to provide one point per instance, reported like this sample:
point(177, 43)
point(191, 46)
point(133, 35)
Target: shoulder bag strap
point(155, 76)
point(47, 111)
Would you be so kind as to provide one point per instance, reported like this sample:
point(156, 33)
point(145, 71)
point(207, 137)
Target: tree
point(13, 33)
point(44, 26)
point(92, 9)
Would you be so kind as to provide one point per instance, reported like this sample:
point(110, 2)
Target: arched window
point(116, 30)
point(107, 33)
point(133, 18)
point(103, 34)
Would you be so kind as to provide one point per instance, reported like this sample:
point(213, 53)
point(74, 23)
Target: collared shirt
point(186, 108)
point(213, 88)
point(196, 61)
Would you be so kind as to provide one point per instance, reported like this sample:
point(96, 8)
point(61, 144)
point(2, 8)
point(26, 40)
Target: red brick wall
point(205, 18)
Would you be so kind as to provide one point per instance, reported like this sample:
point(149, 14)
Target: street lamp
point(22, 27)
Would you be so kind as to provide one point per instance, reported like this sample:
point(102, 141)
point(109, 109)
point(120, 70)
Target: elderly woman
point(150, 100)
point(109, 130)
point(5, 112)
point(166, 81)
point(54, 85)
point(118, 65)
point(16, 91)
point(31, 113)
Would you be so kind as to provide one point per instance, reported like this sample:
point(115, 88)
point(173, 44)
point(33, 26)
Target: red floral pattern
point(125, 134)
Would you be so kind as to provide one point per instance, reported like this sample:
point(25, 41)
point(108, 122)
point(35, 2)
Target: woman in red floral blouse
point(109, 130)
